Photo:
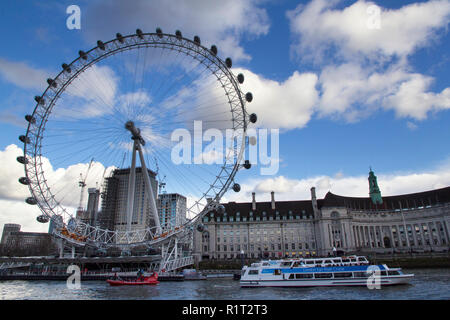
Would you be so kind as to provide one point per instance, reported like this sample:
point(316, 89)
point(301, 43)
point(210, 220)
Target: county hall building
point(417, 222)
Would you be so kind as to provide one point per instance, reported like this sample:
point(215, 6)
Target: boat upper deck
point(314, 262)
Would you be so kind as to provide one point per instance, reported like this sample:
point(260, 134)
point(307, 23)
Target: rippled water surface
point(428, 284)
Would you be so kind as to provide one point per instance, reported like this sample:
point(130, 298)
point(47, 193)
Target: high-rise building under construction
point(113, 215)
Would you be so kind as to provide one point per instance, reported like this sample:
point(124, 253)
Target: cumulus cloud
point(286, 188)
point(353, 91)
point(223, 23)
point(62, 181)
point(413, 99)
point(399, 32)
point(286, 105)
point(10, 172)
point(370, 69)
point(23, 75)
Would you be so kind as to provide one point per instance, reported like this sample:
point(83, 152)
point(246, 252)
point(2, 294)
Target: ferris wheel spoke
point(90, 149)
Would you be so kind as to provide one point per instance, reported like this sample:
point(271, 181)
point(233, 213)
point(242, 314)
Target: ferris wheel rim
point(40, 190)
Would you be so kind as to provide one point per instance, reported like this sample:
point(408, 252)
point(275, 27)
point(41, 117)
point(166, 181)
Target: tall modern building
point(92, 205)
point(414, 222)
point(113, 215)
point(172, 210)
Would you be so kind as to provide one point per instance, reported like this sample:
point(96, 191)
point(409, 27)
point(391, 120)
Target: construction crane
point(161, 183)
point(82, 184)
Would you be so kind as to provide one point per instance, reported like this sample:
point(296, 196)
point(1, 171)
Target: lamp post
point(242, 259)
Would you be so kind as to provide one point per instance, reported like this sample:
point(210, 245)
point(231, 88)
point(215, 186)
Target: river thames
point(428, 284)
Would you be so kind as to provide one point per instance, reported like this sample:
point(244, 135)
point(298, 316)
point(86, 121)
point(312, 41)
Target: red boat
point(151, 280)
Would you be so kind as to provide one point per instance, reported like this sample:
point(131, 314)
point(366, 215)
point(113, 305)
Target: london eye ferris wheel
point(133, 100)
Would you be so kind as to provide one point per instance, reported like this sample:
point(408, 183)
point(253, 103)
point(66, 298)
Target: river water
point(428, 284)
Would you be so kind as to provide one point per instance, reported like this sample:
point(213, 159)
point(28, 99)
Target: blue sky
point(344, 97)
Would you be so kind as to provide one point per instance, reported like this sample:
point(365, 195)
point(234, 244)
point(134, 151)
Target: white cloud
point(62, 181)
point(401, 31)
point(413, 100)
point(285, 105)
point(23, 75)
point(93, 93)
point(10, 172)
point(223, 23)
point(352, 91)
point(21, 213)
point(286, 188)
point(369, 69)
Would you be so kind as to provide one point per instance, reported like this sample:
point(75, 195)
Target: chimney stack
point(314, 202)
point(273, 200)
point(313, 193)
point(253, 202)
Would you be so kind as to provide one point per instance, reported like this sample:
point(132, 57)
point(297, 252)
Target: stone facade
point(16, 242)
point(406, 223)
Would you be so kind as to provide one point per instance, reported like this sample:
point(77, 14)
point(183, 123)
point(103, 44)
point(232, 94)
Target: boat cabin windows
point(361, 274)
point(329, 261)
point(362, 259)
point(253, 272)
point(393, 273)
point(345, 260)
point(286, 263)
point(300, 276)
point(343, 275)
point(318, 261)
point(323, 275)
point(277, 272)
point(309, 262)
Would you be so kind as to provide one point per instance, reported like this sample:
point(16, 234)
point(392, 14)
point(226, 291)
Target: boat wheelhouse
point(329, 271)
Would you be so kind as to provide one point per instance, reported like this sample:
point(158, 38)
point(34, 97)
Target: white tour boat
point(312, 272)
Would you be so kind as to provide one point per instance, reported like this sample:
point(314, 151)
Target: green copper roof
point(374, 190)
